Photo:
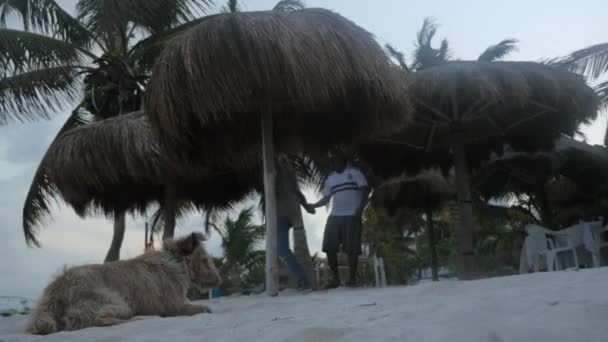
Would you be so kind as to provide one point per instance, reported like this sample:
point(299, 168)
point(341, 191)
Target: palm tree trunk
point(432, 247)
point(117, 237)
point(545, 209)
point(465, 257)
point(302, 252)
point(169, 212)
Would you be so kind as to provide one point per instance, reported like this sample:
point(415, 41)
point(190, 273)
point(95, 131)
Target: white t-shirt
point(345, 190)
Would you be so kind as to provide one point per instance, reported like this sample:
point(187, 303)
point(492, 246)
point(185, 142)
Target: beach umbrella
point(426, 191)
point(466, 110)
point(309, 78)
point(528, 173)
point(114, 167)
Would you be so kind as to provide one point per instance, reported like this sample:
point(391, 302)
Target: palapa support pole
point(272, 274)
point(169, 212)
point(464, 225)
point(117, 237)
point(432, 246)
point(146, 238)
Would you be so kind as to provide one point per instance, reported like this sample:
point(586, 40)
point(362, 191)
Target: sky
point(544, 28)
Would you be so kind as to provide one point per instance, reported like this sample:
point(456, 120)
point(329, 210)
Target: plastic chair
point(603, 243)
point(558, 243)
point(379, 272)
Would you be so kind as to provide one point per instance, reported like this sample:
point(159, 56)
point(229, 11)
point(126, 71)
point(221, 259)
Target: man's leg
point(352, 241)
point(353, 261)
point(331, 240)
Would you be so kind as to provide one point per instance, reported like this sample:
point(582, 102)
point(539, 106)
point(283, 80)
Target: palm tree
point(97, 61)
point(106, 52)
point(426, 56)
point(240, 239)
point(592, 62)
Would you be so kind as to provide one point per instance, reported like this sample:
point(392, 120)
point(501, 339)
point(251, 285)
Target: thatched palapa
point(114, 166)
point(324, 79)
point(523, 104)
point(470, 109)
point(309, 79)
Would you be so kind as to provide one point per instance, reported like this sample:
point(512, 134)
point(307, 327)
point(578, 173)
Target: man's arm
point(301, 198)
point(364, 189)
point(364, 199)
point(322, 202)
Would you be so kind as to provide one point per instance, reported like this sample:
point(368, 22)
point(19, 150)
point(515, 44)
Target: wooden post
point(169, 212)
point(146, 238)
point(464, 226)
point(117, 237)
point(272, 270)
point(432, 246)
point(546, 216)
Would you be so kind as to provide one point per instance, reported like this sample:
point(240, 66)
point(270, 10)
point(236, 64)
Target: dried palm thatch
point(520, 172)
point(427, 190)
point(474, 108)
point(489, 104)
point(324, 79)
point(570, 202)
point(115, 166)
point(585, 164)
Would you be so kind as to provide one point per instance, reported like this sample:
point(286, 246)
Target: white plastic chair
point(602, 244)
point(379, 272)
point(556, 244)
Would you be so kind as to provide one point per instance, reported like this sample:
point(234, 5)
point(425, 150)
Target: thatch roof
point(570, 202)
point(426, 190)
point(325, 80)
point(586, 164)
point(519, 172)
point(523, 104)
point(115, 165)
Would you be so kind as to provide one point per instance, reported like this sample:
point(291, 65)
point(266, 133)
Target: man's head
point(339, 161)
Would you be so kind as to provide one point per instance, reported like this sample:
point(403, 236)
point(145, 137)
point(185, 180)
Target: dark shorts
point(342, 231)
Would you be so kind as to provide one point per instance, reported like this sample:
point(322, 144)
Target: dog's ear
point(187, 245)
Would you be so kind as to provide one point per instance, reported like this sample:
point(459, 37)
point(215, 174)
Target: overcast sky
point(544, 28)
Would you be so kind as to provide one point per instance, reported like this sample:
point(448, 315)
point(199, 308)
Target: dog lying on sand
point(154, 283)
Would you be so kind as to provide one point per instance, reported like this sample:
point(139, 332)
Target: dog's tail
point(43, 320)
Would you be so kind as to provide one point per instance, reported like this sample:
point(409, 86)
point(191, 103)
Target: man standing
point(289, 199)
point(349, 190)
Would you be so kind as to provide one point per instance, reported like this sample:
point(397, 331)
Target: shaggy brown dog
point(154, 283)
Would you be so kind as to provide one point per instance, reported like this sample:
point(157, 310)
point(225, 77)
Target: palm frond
point(498, 51)
point(47, 17)
point(113, 16)
point(425, 55)
point(602, 92)
point(22, 50)
point(591, 61)
point(231, 7)
point(37, 94)
point(146, 51)
point(397, 55)
point(240, 237)
point(37, 206)
point(289, 5)
point(158, 217)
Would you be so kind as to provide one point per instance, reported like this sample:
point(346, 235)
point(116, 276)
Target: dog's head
point(200, 265)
